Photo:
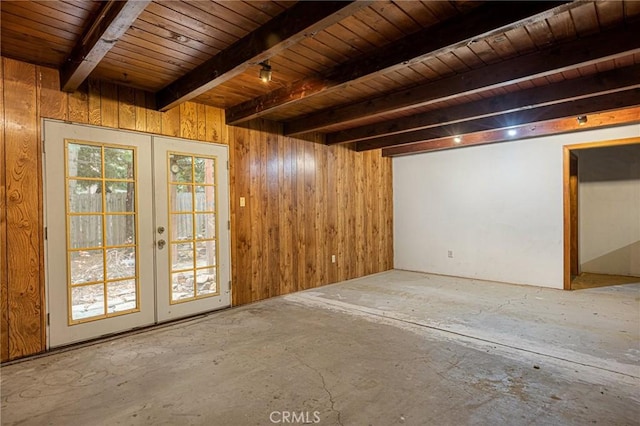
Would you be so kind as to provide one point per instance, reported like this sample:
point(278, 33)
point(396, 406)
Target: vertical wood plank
point(242, 264)
point(126, 108)
point(188, 121)
point(341, 198)
point(4, 281)
point(272, 186)
point(22, 150)
point(213, 125)
point(295, 213)
point(370, 191)
point(224, 129)
point(345, 209)
point(153, 117)
point(332, 212)
point(140, 103)
point(201, 114)
point(286, 216)
point(310, 224)
point(256, 208)
point(171, 122)
point(53, 103)
point(350, 189)
point(301, 216)
point(374, 203)
point(353, 214)
point(236, 216)
point(360, 205)
point(322, 240)
point(78, 105)
point(266, 258)
point(95, 102)
point(109, 104)
point(233, 213)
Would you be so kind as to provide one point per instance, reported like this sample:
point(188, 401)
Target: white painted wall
point(609, 212)
point(498, 207)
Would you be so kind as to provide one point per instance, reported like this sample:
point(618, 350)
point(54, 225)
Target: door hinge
point(48, 319)
point(229, 225)
point(46, 233)
point(44, 151)
point(227, 164)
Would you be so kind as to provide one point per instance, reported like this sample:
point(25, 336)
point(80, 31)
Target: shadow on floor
point(587, 280)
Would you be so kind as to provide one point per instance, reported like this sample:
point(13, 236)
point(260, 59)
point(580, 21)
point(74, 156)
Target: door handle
point(161, 244)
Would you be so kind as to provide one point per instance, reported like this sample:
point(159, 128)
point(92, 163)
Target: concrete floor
point(393, 348)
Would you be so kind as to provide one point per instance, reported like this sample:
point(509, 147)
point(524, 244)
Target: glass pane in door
point(192, 203)
point(101, 222)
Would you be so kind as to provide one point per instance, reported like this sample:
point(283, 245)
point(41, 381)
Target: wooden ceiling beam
point(594, 85)
point(112, 22)
point(302, 20)
point(506, 122)
point(555, 59)
point(546, 128)
point(480, 22)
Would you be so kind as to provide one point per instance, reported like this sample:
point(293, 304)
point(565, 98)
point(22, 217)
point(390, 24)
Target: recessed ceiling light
point(582, 120)
point(457, 139)
point(512, 132)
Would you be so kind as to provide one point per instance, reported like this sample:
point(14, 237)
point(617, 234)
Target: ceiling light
point(512, 132)
point(457, 139)
point(582, 120)
point(265, 71)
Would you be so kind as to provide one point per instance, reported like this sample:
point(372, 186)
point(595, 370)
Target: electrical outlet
point(450, 254)
point(333, 258)
point(242, 202)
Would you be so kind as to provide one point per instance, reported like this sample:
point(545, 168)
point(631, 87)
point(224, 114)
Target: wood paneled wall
point(304, 201)
point(22, 273)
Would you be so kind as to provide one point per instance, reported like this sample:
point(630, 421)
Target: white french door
point(192, 233)
point(136, 230)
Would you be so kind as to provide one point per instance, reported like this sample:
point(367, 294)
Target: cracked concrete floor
point(393, 348)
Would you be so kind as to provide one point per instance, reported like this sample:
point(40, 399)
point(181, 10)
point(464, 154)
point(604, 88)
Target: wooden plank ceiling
point(405, 76)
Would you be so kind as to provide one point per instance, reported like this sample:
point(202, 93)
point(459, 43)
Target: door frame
point(570, 211)
point(47, 280)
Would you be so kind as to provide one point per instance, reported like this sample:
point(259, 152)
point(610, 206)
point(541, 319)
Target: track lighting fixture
point(582, 120)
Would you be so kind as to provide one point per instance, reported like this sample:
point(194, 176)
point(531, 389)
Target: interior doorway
point(597, 248)
point(136, 230)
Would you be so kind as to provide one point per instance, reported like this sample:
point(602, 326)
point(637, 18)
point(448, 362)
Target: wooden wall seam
point(40, 227)
point(4, 280)
point(302, 198)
